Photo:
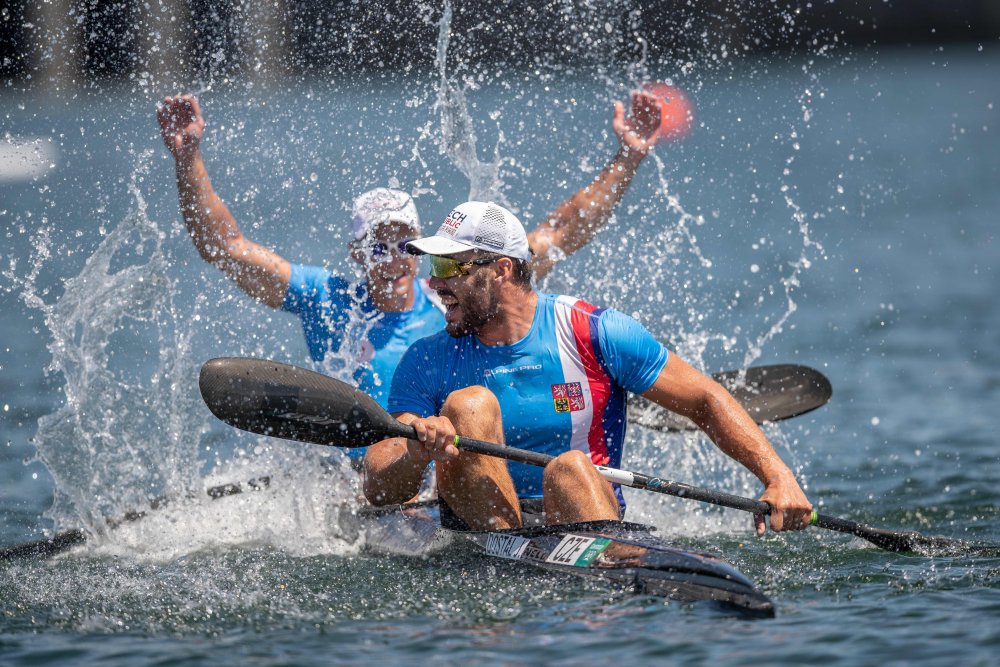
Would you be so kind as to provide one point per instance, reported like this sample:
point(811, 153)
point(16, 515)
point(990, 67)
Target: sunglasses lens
point(443, 267)
point(380, 249)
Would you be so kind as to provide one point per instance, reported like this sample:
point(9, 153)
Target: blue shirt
point(563, 386)
point(348, 336)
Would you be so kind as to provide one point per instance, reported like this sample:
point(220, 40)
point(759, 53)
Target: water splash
point(287, 498)
point(115, 396)
point(458, 135)
point(131, 427)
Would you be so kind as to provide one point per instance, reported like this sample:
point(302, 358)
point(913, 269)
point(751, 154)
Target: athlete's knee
point(568, 465)
point(475, 402)
point(574, 491)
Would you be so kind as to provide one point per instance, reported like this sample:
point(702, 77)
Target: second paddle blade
point(285, 401)
point(768, 393)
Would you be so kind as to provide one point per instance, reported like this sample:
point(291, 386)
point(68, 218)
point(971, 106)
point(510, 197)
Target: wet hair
point(522, 272)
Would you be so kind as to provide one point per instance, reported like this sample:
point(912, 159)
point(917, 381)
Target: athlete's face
point(389, 269)
point(470, 300)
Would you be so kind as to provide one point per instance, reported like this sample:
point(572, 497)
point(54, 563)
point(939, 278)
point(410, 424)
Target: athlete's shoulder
point(339, 283)
point(306, 277)
point(608, 321)
point(308, 287)
point(565, 302)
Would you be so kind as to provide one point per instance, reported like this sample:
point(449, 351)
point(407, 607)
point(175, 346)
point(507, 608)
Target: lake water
point(840, 212)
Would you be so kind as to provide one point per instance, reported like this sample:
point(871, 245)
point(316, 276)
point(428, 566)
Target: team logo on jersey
point(568, 397)
point(524, 368)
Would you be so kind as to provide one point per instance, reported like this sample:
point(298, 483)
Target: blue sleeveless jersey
point(348, 337)
point(563, 386)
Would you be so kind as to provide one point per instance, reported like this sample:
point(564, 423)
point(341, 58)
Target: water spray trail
point(125, 430)
point(791, 281)
point(683, 217)
point(458, 136)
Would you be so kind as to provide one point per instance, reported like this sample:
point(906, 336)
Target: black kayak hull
point(625, 554)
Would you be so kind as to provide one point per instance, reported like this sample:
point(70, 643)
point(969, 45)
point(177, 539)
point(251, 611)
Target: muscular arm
point(573, 224)
point(395, 467)
point(684, 390)
point(258, 271)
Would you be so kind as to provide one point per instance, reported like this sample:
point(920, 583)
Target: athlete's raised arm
point(573, 224)
point(258, 271)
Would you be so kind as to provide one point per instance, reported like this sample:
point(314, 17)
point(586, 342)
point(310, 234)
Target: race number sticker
point(577, 551)
point(505, 546)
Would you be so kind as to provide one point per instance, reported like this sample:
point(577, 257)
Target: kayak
point(627, 555)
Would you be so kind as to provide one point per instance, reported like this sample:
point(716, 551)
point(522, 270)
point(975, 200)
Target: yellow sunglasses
point(446, 267)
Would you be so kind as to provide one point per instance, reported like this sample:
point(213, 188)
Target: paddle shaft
point(617, 476)
point(886, 539)
point(285, 401)
point(891, 540)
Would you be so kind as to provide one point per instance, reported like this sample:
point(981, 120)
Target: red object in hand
point(676, 111)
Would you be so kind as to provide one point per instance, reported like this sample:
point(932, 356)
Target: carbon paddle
point(283, 401)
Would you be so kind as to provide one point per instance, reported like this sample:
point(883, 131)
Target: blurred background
point(63, 44)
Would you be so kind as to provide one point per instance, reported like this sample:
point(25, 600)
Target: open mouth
point(450, 302)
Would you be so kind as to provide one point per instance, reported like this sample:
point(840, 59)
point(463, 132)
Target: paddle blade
point(767, 393)
point(908, 541)
point(285, 401)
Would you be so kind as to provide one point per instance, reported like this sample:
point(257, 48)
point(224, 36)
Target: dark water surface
point(887, 280)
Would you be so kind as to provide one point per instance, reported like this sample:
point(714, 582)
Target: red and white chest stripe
point(576, 328)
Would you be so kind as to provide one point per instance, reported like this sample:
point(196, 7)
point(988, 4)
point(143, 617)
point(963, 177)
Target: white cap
point(382, 205)
point(475, 224)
